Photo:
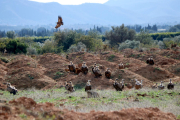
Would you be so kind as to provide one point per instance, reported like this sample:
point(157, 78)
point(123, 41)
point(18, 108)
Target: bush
point(91, 43)
point(4, 59)
point(14, 46)
point(49, 47)
point(65, 38)
point(31, 51)
point(144, 37)
point(76, 48)
point(129, 44)
point(161, 45)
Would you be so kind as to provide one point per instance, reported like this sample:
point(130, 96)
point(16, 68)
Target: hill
point(24, 12)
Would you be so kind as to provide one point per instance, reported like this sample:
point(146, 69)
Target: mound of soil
point(27, 108)
point(24, 72)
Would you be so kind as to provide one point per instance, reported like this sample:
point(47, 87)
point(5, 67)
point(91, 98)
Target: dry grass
point(110, 100)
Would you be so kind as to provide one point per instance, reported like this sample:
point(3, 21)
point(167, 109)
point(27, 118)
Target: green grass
point(111, 58)
point(166, 100)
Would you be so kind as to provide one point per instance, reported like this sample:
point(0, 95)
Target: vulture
point(154, 86)
point(122, 83)
point(138, 84)
point(88, 85)
point(94, 68)
point(60, 22)
point(77, 71)
point(121, 66)
point(108, 73)
point(150, 61)
point(173, 45)
point(84, 68)
point(160, 87)
point(72, 68)
point(170, 85)
point(131, 84)
point(69, 87)
point(117, 86)
point(97, 72)
point(11, 89)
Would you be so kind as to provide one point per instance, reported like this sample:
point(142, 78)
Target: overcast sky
point(72, 2)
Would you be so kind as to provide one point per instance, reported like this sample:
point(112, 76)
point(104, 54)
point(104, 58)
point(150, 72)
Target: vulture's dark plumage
point(72, 68)
point(97, 72)
point(84, 68)
point(108, 73)
point(60, 22)
point(150, 61)
point(170, 85)
point(117, 86)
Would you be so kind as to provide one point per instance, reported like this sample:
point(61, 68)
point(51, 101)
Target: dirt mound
point(27, 108)
point(3, 72)
point(55, 65)
point(24, 72)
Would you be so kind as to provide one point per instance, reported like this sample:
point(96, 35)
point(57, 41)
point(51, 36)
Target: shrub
point(4, 59)
point(144, 37)
point(90, 42)
point(14, 46)
point(76, 48)
point(129, 44)
point(31, 50)
point(161, 45)
point(10, 34)
point(48, 47)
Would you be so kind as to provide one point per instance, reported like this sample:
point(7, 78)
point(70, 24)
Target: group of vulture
point(170, 85)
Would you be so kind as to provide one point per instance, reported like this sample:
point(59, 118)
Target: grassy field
point(110, 100)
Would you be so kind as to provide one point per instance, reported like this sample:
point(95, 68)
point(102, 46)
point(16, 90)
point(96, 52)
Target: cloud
point(72, 2)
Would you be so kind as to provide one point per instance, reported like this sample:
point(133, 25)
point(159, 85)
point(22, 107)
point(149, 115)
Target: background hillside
point(113, 12)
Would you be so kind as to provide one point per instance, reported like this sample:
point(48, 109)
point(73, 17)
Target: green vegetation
point(111, 57)
point(161, 36)
point(166, 100)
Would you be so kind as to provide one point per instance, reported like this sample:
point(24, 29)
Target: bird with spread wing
point(60, 22)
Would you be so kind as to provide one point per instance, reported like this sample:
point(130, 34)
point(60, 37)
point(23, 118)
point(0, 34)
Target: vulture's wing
point(59, 19)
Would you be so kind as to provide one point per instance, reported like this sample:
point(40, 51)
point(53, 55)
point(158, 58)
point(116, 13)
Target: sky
point(72, 2)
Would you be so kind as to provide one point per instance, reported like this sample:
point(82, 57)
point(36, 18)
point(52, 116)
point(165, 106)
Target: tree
point(119, 35)
point(144, 37)
point(10, 34)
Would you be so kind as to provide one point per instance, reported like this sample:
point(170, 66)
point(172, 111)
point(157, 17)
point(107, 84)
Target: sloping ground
point(48, 70)
point(3, 72)
point(24, 72)
point(26, 108)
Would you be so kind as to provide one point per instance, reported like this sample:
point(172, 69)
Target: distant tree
point(10, 34)
point(154, 28)
point(144, 37)
point(119, 35)
point(2, 34)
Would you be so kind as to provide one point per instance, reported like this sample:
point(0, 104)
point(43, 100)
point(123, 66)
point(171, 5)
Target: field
point(42, 77)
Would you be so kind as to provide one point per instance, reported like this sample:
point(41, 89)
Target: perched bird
point(60, 22)
point(72, 68)
point(154, 86)
point(138, 84)
point(150, 61)
point(84, 68)
point(77, 71)
point(11, 89)
point(69, 87)
point(117, 86)
point(161, 86)
point(173, 45)
point(170, 85)
point(121, 66)
point(108, 73)
point(122, 83)
point(97, 72)
point(94, 67)
point(88, 85)
point(131, 84)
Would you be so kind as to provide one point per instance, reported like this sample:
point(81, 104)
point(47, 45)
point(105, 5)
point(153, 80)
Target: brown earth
point(27, 108)
point(48, 70)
